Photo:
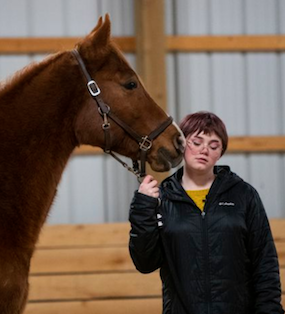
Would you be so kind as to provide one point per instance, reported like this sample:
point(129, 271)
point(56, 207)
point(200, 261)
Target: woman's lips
point(202, 160)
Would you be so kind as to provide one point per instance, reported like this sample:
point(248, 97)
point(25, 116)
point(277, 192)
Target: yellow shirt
point(199, 197)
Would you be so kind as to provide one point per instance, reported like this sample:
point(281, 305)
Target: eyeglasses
point(198, 146)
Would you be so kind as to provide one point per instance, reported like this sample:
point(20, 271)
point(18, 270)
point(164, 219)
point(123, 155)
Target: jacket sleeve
point(264, 260)
point(144, 244)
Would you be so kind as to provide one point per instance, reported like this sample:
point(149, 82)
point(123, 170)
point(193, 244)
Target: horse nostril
point(179, 143)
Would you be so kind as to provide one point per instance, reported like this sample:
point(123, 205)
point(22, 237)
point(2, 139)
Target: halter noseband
point(145, 142)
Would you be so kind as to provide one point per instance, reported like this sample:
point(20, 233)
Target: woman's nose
point(205, 149)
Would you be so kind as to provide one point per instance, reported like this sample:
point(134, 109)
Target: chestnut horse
point(46, 111)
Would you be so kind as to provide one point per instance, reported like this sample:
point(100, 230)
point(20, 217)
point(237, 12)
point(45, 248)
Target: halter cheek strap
point(144, 142)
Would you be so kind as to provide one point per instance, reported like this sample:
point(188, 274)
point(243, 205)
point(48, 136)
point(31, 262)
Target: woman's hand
point(149, 187)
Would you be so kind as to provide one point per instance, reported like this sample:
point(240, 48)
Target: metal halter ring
point(145, 144)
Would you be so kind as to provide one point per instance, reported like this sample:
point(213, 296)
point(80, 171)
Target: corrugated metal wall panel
point(46, 18)
point(122, 13)
point(13, 18)
point(263, 92)
point(266, 177)
point(79, 16)
point(261, 16)
point(281, 15)
point(193, 83)
point(229, 93)
point(191, 17)
point(281, 84)
point(10, 64)
point(225, 17)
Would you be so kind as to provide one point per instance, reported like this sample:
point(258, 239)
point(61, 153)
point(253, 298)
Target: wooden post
point(150, 52)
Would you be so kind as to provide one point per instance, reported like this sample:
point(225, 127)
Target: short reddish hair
point(207, 122)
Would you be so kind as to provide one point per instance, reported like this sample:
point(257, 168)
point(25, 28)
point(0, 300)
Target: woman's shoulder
point(241, 185)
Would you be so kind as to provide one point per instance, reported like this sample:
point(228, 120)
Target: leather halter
point(144, 142)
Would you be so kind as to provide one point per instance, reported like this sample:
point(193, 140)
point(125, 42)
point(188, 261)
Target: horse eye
point(131, 85)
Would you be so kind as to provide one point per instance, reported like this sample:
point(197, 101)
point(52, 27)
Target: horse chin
point(164, 160)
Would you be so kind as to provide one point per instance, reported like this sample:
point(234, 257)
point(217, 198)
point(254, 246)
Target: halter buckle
point(93, 88)
point(145, 143)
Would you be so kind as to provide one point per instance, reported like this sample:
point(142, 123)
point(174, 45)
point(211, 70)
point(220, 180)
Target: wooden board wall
point(87, 269)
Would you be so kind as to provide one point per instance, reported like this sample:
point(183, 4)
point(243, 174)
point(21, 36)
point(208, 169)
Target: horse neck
point(37, 138)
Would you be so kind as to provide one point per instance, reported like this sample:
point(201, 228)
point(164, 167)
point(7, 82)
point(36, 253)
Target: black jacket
point(222, 261)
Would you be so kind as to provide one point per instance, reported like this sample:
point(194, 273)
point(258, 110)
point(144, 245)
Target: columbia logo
point(226, 204)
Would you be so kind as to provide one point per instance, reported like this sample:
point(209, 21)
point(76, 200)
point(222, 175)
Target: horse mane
point(27, 73)
point(31, 70)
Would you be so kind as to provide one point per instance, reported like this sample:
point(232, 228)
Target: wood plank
point(86, 259)
point(237, 145)
point(150, 52)
point(97, 259)
point(137, 306)
point(94, 286)
point(282, 278)
point(108, 234)
point(280, 247)
point(236, 43)
point(278, 229)
point(81, 260)
point(150, 306)
point(21, 45)
point(256, 144)
point(98, 286)
point(150, 49)
point(88, 150)
point(92, 256)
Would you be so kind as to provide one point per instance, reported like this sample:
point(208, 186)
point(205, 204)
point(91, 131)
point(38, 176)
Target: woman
point(207, 231)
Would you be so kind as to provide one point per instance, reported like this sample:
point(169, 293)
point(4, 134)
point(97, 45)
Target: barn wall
point(244, 89)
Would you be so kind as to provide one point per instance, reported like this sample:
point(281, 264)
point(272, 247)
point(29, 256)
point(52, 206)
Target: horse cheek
point(86, 126)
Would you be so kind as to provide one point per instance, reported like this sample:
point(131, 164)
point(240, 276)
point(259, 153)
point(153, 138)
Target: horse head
point(130, 111)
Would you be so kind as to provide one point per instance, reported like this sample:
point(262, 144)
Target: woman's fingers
point(149, 186)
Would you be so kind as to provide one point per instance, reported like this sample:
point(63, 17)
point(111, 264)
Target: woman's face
point(202, 151)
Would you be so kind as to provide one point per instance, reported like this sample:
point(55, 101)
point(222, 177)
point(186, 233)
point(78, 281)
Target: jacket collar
point(225, 179)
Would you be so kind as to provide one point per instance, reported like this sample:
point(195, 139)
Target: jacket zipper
point(206, 259)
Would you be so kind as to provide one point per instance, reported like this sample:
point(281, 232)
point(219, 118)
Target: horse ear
point(98, 38)
point(99, 24)
point(101, 34)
